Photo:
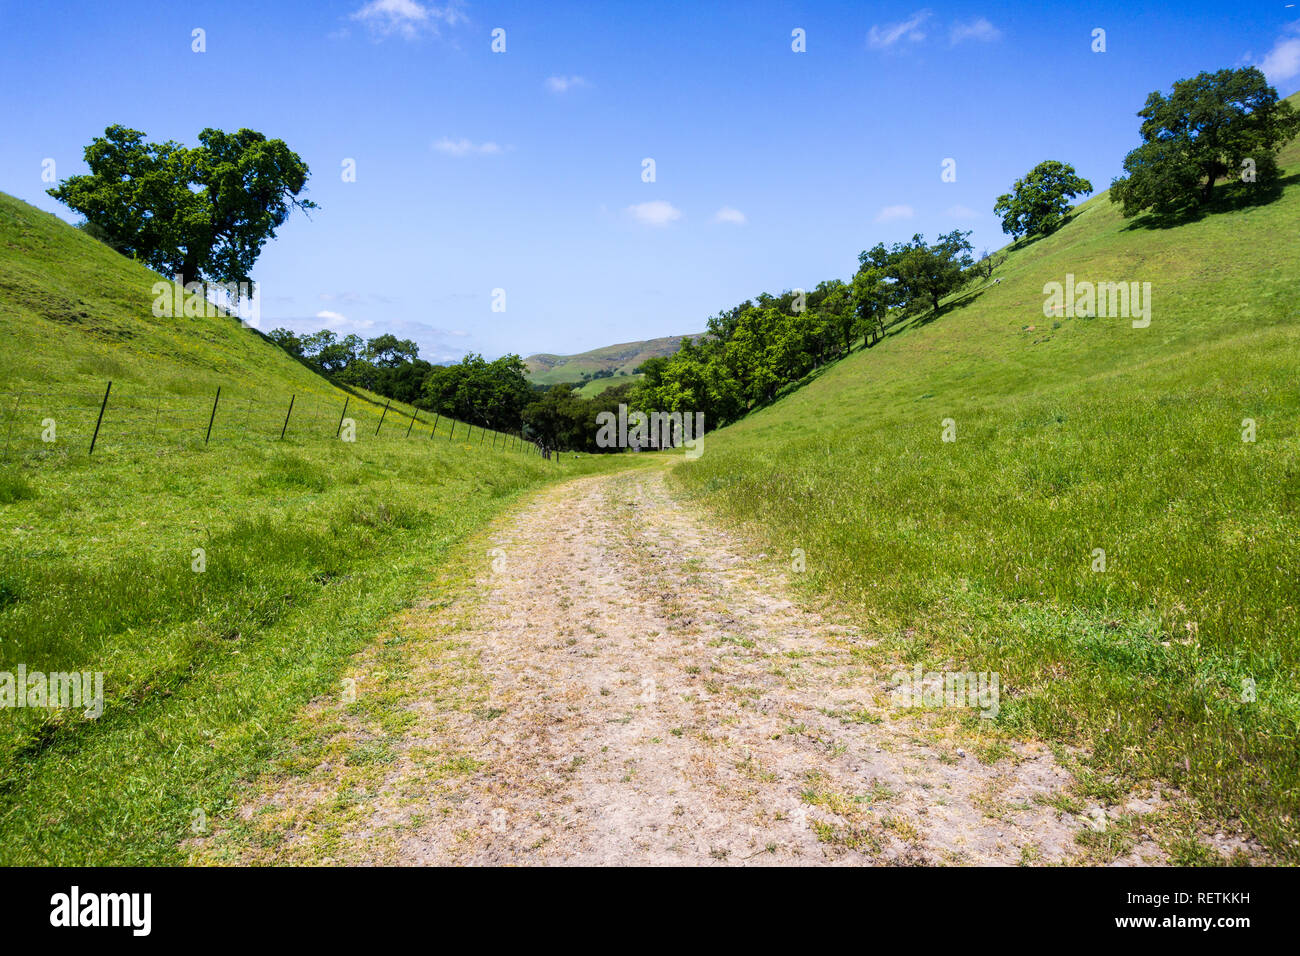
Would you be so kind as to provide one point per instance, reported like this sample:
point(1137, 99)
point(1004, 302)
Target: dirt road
point(634, 688)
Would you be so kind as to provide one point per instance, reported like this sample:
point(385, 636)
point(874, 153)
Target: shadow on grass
point(1231, 197)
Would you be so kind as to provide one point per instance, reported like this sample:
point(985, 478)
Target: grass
point(1178, 661)
point(219, 587)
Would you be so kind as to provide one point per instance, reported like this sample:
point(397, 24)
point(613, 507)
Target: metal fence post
point(213, 417)
point(339, 431)
point(102, 406)
point(286, 416)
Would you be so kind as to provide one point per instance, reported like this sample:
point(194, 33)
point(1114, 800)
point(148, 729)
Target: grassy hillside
point(597, 385)
point(621, 359)
point(1074, 435)
point(218, 587)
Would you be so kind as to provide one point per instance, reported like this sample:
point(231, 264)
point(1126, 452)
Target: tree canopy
point(1038, 202)
point(1230, 122)
point(491, 394)
point(204, 212)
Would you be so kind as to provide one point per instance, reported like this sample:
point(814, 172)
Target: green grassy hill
point(218, 587)
point(597, 385)
point(621, 359)
point(1178, 662)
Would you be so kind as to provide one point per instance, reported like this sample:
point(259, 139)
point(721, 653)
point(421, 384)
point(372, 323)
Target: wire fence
point(126, 418)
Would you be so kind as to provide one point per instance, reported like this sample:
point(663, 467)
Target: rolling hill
point(622, 360)
point(217, 582)
point(1107, 515)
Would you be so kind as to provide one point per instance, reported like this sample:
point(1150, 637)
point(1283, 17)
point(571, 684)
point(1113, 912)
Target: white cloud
point(655, 213)
point(961, 212)
point(334, 321)
point(886, 36)
point(1283, 61)
point(562, 84)
point(978, 29)
point(407, 18)
point(727, 214)
point(890, 213)
point(463, 147)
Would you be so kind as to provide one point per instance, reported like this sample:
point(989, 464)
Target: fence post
point(453, 428)
point(410, 426)
point(213, 417)
point(286, 416)
point(102, 406)
point(339, 431)
point(381, 417)
point(494, 441)
point(436, 416)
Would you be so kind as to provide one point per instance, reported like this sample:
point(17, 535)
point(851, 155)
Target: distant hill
point(621, 359)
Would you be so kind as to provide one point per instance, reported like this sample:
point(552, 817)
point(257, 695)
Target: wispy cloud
point(727, 214)
point(961, 212)
point(655, 213)
point(463, 147)
point(978, 29)
point(890, 213)
point(337, 322)
point(562, 84)
point(1283, 61)
point(407, 18)
point(883, 37)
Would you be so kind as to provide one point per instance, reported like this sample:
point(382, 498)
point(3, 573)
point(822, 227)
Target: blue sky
point(523, 170)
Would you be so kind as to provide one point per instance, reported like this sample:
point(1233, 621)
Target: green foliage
point(914, 276)
point(561, 417)
point(387, 365)
point(757, 348)
point(203, 212)
point(488, 394)
point(1039, 202)
point(1213, 125)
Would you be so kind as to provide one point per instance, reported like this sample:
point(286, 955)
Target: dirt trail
point(647, 694)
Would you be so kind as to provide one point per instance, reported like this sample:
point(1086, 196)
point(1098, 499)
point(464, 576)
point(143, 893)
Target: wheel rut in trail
point(633, 687)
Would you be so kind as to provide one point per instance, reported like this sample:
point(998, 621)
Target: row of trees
point(756, 348)
point(495, 395)
point(385, 364)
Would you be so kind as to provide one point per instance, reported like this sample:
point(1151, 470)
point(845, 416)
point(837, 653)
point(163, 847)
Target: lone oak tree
point(202, 212)
point(1212, 125)
point(1039, 202)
